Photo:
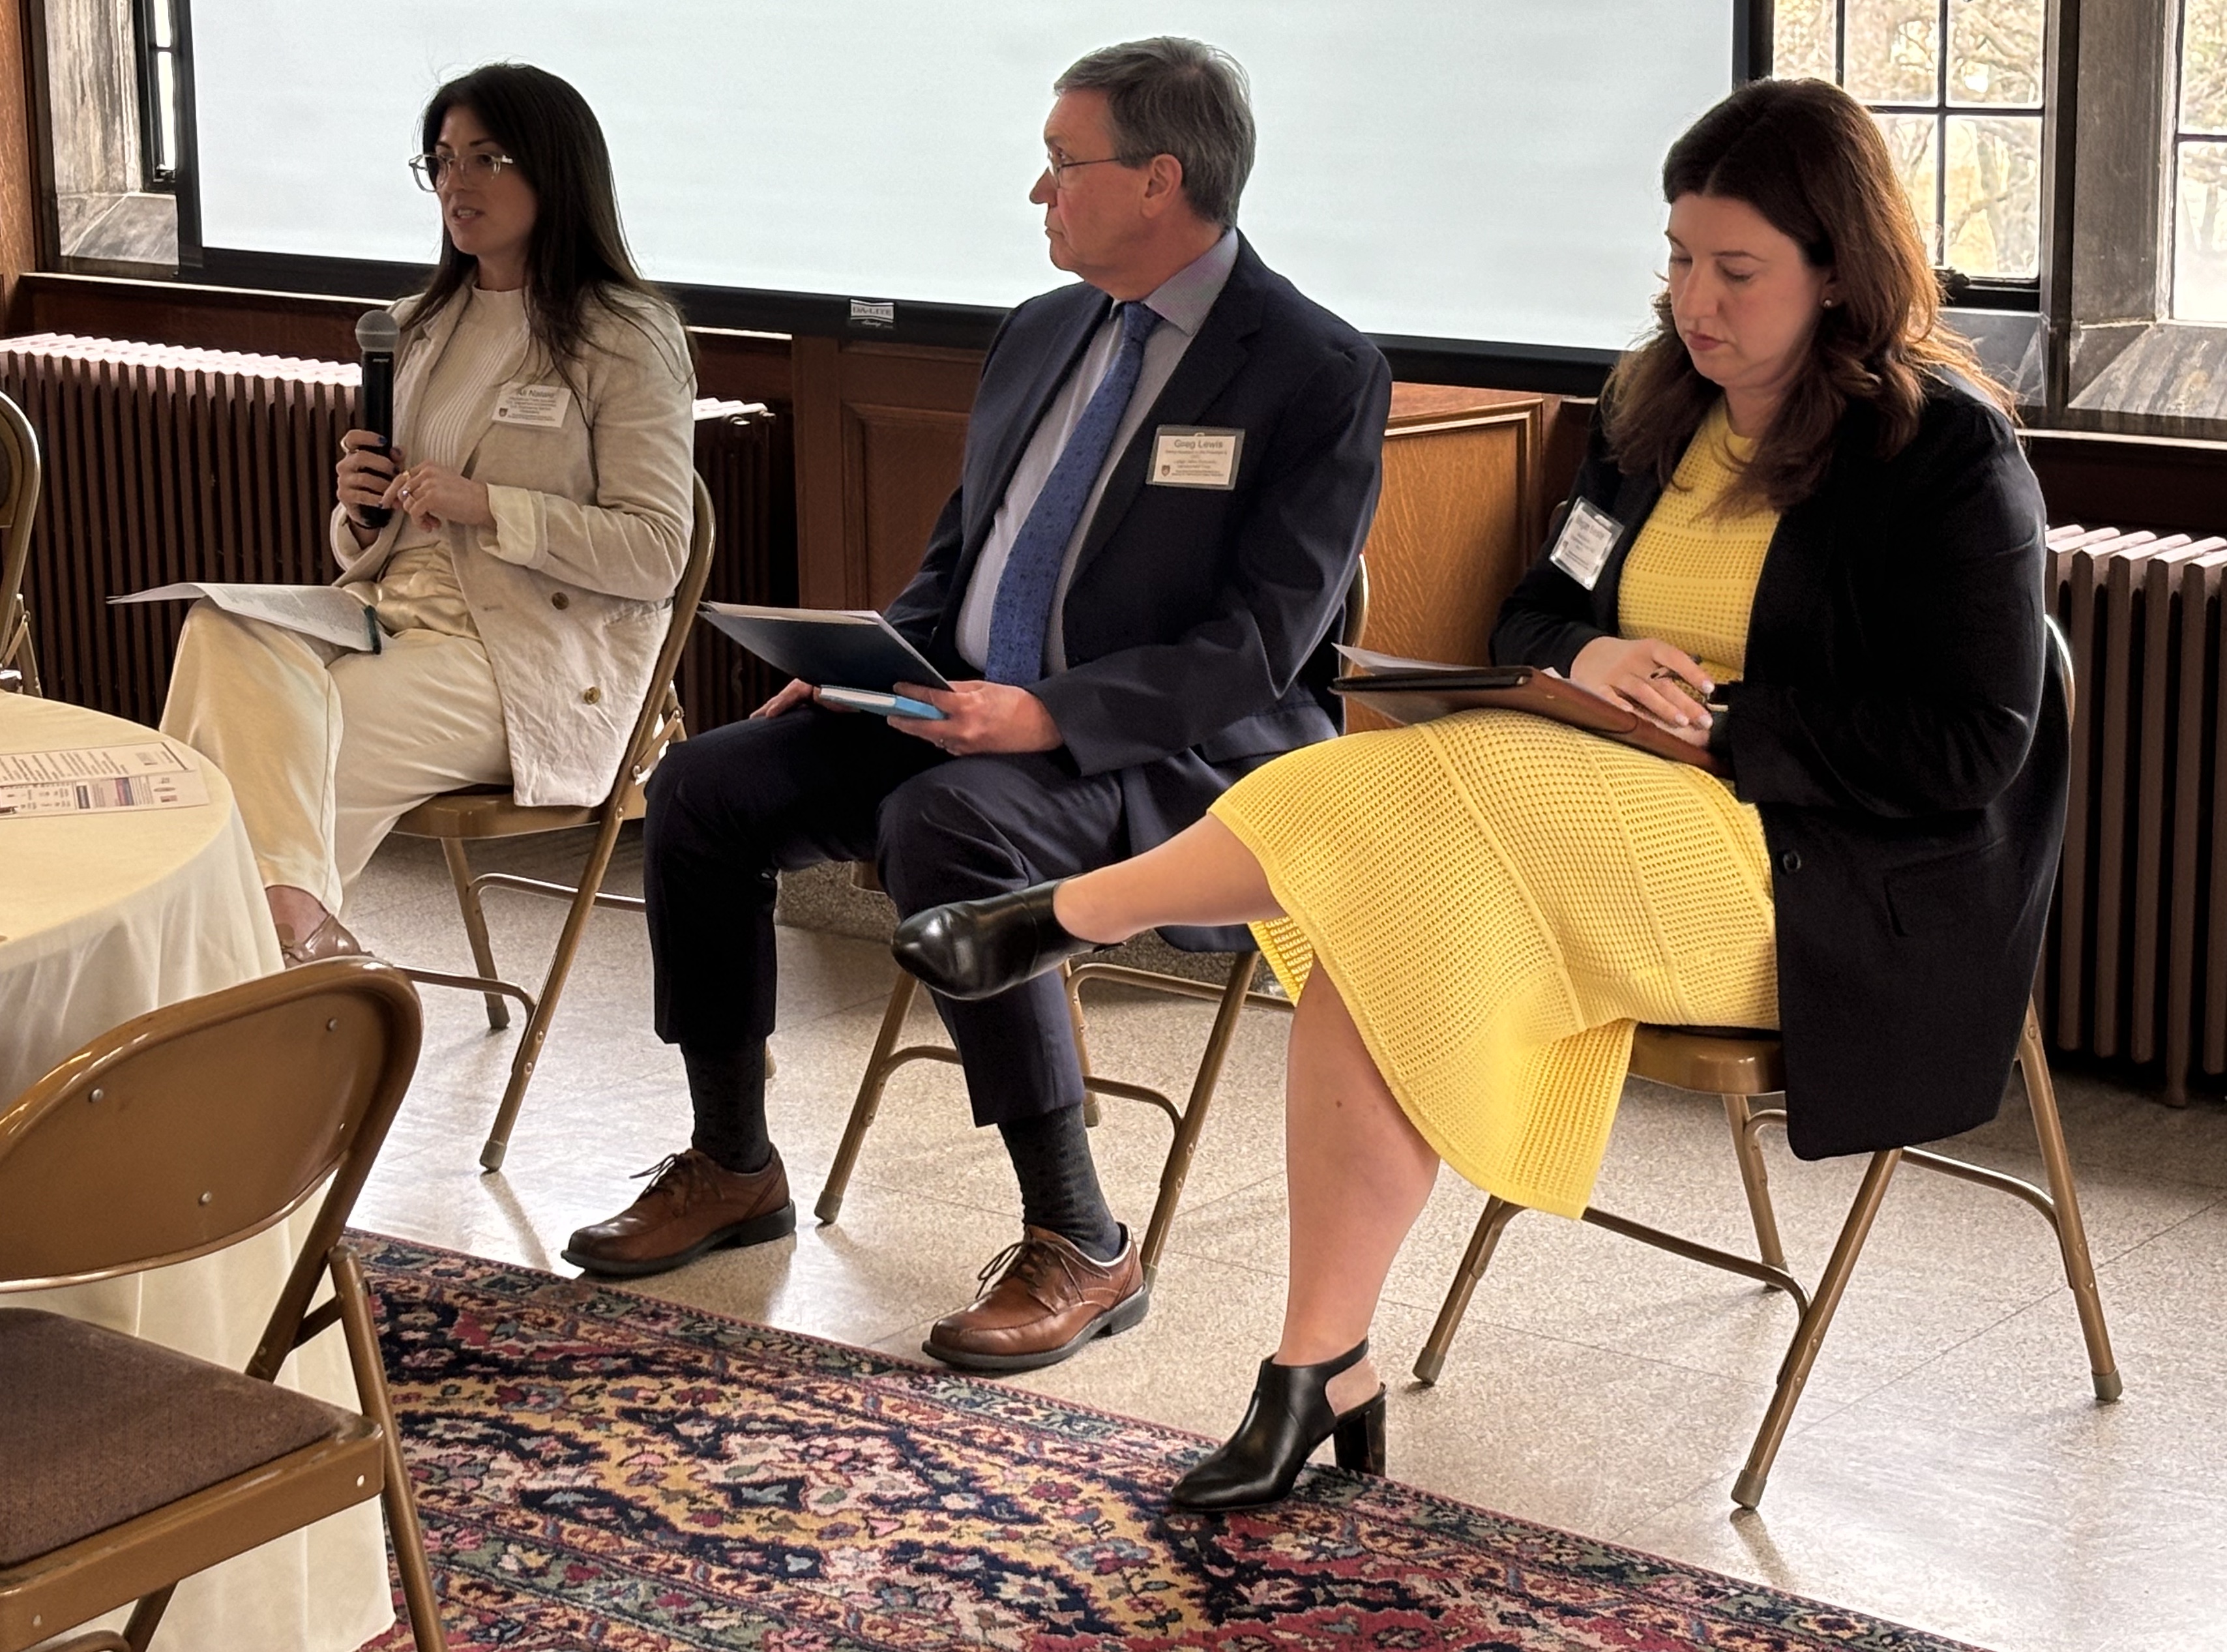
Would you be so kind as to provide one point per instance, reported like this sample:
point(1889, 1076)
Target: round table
point(103, 917)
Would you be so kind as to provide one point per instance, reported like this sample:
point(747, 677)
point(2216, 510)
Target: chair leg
point(1756, 1180)
point(1498, 1212)
point(1177, 1170)
point(146, 1616)
point(400, 1500)
point(1073, 988)
point(871, 1086)
point(2071, 1234)
point(1801, 1355)
point(528, 1054)
point(476, 929)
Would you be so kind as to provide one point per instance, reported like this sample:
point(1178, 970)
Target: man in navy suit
point(1170, 469)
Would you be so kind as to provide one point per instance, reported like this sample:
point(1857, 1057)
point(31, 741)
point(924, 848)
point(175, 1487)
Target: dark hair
point(1171, 96)
point(1812, 161)
point(576, 255)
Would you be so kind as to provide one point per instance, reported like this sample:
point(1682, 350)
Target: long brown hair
point(577, 256)
point(1812, 161)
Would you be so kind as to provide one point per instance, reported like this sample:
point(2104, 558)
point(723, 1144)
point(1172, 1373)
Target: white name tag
point(541, 406)
point(1191, 456)
point(1581, 549)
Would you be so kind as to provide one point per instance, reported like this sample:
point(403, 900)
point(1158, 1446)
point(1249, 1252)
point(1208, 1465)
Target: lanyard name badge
point(1581, 549)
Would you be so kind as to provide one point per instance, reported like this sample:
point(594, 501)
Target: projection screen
point(1457, 170)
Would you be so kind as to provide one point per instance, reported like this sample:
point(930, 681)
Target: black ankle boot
point(1288, 1417)
point(977, 949)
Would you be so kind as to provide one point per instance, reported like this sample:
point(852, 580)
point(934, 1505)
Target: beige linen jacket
point(572, 588)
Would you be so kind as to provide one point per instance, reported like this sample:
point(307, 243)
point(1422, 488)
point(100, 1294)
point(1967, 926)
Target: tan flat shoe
point(329, 939)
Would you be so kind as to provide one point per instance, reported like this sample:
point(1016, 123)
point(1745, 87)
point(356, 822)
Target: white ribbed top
point(418, 589)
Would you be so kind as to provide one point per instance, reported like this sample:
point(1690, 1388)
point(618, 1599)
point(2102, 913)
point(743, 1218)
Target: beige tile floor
point(1947, 1468)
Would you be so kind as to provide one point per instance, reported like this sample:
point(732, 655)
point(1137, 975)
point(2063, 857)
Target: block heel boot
point(1289, 1416)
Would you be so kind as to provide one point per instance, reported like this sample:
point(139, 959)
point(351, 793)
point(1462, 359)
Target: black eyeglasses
point(479, 168)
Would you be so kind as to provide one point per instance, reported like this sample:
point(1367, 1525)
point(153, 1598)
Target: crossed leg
point(1358, 1172)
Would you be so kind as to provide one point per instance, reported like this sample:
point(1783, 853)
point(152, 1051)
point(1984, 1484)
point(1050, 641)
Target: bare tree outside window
point(2200, 217)
point(1955, 84)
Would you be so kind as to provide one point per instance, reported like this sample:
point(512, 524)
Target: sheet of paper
point(1368, 659)
point(330, 613)
point(89, 780)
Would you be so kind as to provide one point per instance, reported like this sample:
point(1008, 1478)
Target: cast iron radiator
point(165, 463)
point(2135, 967)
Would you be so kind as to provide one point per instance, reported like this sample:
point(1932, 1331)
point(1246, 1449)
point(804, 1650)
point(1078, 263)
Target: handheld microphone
point(377, 335)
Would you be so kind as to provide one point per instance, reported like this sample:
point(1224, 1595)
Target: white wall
point(1464, 169)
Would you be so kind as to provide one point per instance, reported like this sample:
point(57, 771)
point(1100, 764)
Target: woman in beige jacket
point(538, 497)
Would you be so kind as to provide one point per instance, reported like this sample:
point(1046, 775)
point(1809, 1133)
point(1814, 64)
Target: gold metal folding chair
point(20, 473)
point(457, 819)
point(1235, 992)
point(1740, 1066)
point(131, 1467)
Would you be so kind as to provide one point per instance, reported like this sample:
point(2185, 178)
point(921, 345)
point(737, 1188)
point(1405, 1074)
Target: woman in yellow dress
point(1804, 537)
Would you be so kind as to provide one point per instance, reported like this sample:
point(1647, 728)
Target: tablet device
point(826, 647)
point(860, 699)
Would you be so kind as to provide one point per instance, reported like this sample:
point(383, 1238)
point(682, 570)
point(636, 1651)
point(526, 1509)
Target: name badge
point(1193, 456)
point(1581, 549)
point(541, 406)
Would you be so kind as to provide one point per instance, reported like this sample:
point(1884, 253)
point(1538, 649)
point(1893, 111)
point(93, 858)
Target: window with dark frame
point(2199, 164)
point(1956, 86)
point(156, 26)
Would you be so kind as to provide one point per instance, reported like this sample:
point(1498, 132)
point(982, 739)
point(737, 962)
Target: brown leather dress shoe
point(1047, 1301)
point(690, 1206)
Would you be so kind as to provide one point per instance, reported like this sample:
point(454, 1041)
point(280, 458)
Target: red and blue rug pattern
point(599, 1469)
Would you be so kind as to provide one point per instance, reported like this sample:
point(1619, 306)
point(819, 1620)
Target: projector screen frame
point(1499, 364)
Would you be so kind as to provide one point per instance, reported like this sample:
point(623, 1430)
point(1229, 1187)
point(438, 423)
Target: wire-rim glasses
point(479, 168)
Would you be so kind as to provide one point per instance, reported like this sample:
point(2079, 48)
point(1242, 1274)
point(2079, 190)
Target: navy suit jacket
point(1197, 623)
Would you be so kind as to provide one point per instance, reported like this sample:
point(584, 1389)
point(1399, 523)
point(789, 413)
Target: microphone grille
point(376, 333)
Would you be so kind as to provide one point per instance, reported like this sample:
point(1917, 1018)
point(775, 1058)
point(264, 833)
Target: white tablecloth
point(103, 918)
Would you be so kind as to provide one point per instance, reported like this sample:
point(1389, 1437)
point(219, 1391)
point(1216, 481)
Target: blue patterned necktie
point(1021, 615)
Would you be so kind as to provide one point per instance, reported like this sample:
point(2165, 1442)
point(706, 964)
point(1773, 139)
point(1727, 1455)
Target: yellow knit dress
point(1500, 898)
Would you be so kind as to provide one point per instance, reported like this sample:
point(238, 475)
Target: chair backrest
point(660, 722)
point(20, 474)
point(196, 1125)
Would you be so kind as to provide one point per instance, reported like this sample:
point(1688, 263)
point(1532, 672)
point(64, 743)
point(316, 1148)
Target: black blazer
point(1904, 740)
point(1197, 622)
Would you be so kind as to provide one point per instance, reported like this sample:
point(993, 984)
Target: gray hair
point(1171, 96)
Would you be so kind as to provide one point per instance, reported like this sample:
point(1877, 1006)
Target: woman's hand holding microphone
point(433, 494)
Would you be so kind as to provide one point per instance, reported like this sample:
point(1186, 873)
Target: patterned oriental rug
point(599, 1469)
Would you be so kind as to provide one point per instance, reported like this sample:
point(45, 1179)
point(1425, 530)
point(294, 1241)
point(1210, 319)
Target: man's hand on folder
point(792, 694)
point(981, 717)
point(977, 716)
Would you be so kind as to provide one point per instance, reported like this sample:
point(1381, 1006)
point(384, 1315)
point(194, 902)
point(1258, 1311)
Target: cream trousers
point(326, 749)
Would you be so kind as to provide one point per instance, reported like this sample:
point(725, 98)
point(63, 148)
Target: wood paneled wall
point(879, 429)
point(19, 194)
point(740, 366)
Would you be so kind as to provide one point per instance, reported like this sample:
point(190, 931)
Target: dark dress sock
point(1059, 1183)
point(727, 1089)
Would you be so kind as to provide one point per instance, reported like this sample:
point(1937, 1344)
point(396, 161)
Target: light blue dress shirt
point(1182, 302)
